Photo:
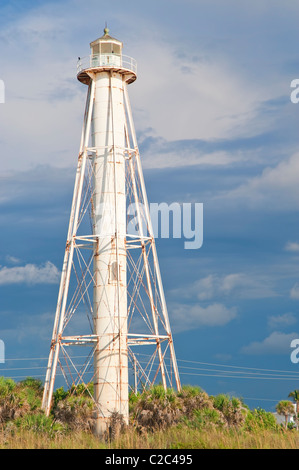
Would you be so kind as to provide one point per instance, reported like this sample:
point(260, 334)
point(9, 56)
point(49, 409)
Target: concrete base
point(101, 428)
point(109, 428)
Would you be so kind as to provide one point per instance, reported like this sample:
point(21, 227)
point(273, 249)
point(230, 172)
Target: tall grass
point(173, 438)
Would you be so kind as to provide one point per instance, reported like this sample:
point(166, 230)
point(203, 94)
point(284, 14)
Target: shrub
point(75, 412)
point(30, 382)
point(189, 391)
point(58, 395)
point(39, 423)
point(260, 419)
point(29, 392)
point(231, 408)
point(18, 399)
point(206, 418)
point(192, 401)
point(82, 390)
point(155, 409)
point(157, 392)
point(6, 386)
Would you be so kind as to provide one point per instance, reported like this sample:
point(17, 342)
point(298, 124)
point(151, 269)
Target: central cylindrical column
point(109, 226)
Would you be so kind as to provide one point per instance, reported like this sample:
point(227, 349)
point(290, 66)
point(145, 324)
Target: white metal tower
point(110, 268)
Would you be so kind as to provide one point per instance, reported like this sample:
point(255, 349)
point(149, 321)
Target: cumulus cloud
point(155, 157)
point(189, 317)
point(285, 319)
point(295, 292)
point(198, 95)
point(239, 285)
point(276, 188)
point(275, 343)
point(37, 327)
point(12, 259)
point(188, 84)
point(292, 246)
point(48, 92)
point(30, 274)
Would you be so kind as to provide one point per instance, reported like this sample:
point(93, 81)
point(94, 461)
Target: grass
point(173, 438)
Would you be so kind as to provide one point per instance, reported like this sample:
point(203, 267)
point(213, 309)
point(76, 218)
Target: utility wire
point(276, 371)
point(257, 373)
point(220, 373)
point(148, 355)
point(236, 367)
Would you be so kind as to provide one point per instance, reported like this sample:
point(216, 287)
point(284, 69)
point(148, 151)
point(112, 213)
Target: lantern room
point(106, 54)
point(106, 50)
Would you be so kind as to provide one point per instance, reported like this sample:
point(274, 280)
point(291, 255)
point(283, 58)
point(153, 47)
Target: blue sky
point(215, 125)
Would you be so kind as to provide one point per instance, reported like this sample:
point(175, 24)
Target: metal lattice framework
point(149, 339)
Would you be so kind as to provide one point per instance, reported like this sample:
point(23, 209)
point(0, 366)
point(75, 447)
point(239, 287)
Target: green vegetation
point(158, 419)
point(285, 408)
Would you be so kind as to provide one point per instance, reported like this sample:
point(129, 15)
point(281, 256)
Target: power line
point(242, 377)
point(240, 373)
point(261, 399)
point(236, 372)
point(236, 367)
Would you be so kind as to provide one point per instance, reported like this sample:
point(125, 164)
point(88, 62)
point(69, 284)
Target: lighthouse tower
point(110, 270)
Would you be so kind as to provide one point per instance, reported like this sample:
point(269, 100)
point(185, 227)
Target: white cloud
point(292, 246)
point(246, 286)
point(194, 97)
point(286, 319)
point(295, 292)
point(180, 94)
point(238, 285)
point(189, 317)
point(30, 274)
point(32, 330)
point(203, 288)
point(154, 158)
point(275, 343)
point(12, 259)
point(276, 188)
point(43, 109)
